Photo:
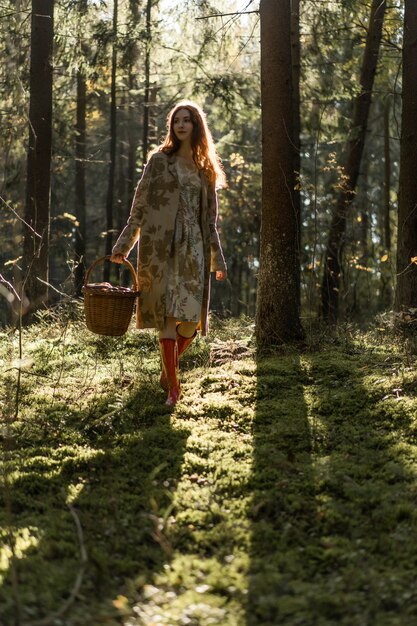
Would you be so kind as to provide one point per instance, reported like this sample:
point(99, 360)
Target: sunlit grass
point(279, 490)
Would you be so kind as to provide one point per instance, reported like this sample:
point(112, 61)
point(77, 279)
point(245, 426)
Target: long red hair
point(204, 151)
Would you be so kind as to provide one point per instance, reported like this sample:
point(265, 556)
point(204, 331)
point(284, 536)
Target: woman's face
point(183, 125)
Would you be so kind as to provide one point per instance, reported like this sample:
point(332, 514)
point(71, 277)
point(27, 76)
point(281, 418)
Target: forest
point(281, 489)
point(115, 72)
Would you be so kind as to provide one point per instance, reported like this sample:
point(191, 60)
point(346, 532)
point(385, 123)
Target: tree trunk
point(364, 236)
point(152, 119)
point(122, 173)
point(277, 315)
point(387, 178)
point(148, 38)
point(80, 193)
point(113, 144)
point(132, 140)
point(296, 64)
point(406, 291)
point(334, 250)
point(131, 176)
point(363, 206)
point(38, 185)
point(80, 161)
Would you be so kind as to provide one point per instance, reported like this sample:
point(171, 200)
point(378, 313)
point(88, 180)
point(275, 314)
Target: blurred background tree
point(167, 50)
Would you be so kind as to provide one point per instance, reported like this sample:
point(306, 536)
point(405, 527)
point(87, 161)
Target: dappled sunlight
point(283, 508)
point(276, 489)
point(205, 581)
point(23, 540)
point(204, 577)
point(336, 501)
point(363, 488)
point(94, 472)
point(197, 602)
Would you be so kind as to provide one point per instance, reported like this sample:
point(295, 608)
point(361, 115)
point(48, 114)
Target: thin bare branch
point(16, 214)
point(11, 291)
point(207, 17)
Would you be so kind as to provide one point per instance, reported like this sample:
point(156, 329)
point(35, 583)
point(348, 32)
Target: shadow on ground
point(119, 471)
point(334, 520)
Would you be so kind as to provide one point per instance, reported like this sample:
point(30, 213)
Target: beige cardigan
point(151, 224)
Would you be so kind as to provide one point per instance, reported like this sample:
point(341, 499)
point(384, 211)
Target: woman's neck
point(185, 150)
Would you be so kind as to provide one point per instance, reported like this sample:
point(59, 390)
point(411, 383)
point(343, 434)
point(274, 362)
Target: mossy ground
point(280, 491)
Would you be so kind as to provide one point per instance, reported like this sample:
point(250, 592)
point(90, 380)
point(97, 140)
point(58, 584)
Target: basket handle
point(107, 258)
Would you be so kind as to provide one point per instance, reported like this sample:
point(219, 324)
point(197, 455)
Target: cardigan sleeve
point(130, 234)
point(217, 258)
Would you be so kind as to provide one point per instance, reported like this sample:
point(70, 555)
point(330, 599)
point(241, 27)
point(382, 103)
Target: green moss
point(279, 491)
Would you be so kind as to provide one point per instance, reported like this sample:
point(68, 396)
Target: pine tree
point(277, 315)
point(406, 291)
point(37, 211)
point(354, 151)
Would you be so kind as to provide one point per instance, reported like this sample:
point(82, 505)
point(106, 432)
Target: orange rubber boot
point(169, 352)
point(182, 343)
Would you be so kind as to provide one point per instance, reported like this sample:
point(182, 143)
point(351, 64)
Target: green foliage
point(280, 490)
point(216, 62)
point(333, 39)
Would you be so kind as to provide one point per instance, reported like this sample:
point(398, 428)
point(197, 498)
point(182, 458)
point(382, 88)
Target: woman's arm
point(218, 264)
point(130, 234)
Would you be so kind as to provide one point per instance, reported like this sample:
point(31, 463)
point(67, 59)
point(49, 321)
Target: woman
point(174, 217)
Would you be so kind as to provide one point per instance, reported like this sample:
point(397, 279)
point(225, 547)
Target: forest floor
point(280, 491)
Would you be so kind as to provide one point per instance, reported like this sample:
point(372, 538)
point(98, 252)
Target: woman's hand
point(221, 275)
point(117, 258)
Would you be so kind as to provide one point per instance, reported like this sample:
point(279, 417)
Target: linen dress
point(151, 224)
point(185, 267)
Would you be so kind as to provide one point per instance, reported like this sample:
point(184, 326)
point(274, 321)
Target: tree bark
point(132, 140)
point(80, 161)
point(387, 178)
point(38, 185)
point(113, 144)
point(145, 142)
point(132, 105)
point(277, 315)
point(296, 64)
point(406, 290)
point(335, 243)
point(363, 206)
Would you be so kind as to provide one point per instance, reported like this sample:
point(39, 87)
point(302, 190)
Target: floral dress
point(185, 271)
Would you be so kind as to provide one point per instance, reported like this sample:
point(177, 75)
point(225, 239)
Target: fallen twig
point(50, 619)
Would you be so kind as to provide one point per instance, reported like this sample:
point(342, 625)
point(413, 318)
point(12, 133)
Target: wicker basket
point(108, 309)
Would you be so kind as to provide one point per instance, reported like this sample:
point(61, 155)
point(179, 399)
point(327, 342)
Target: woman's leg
point(169, 331)
point(174, 339)
point(169, 354)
